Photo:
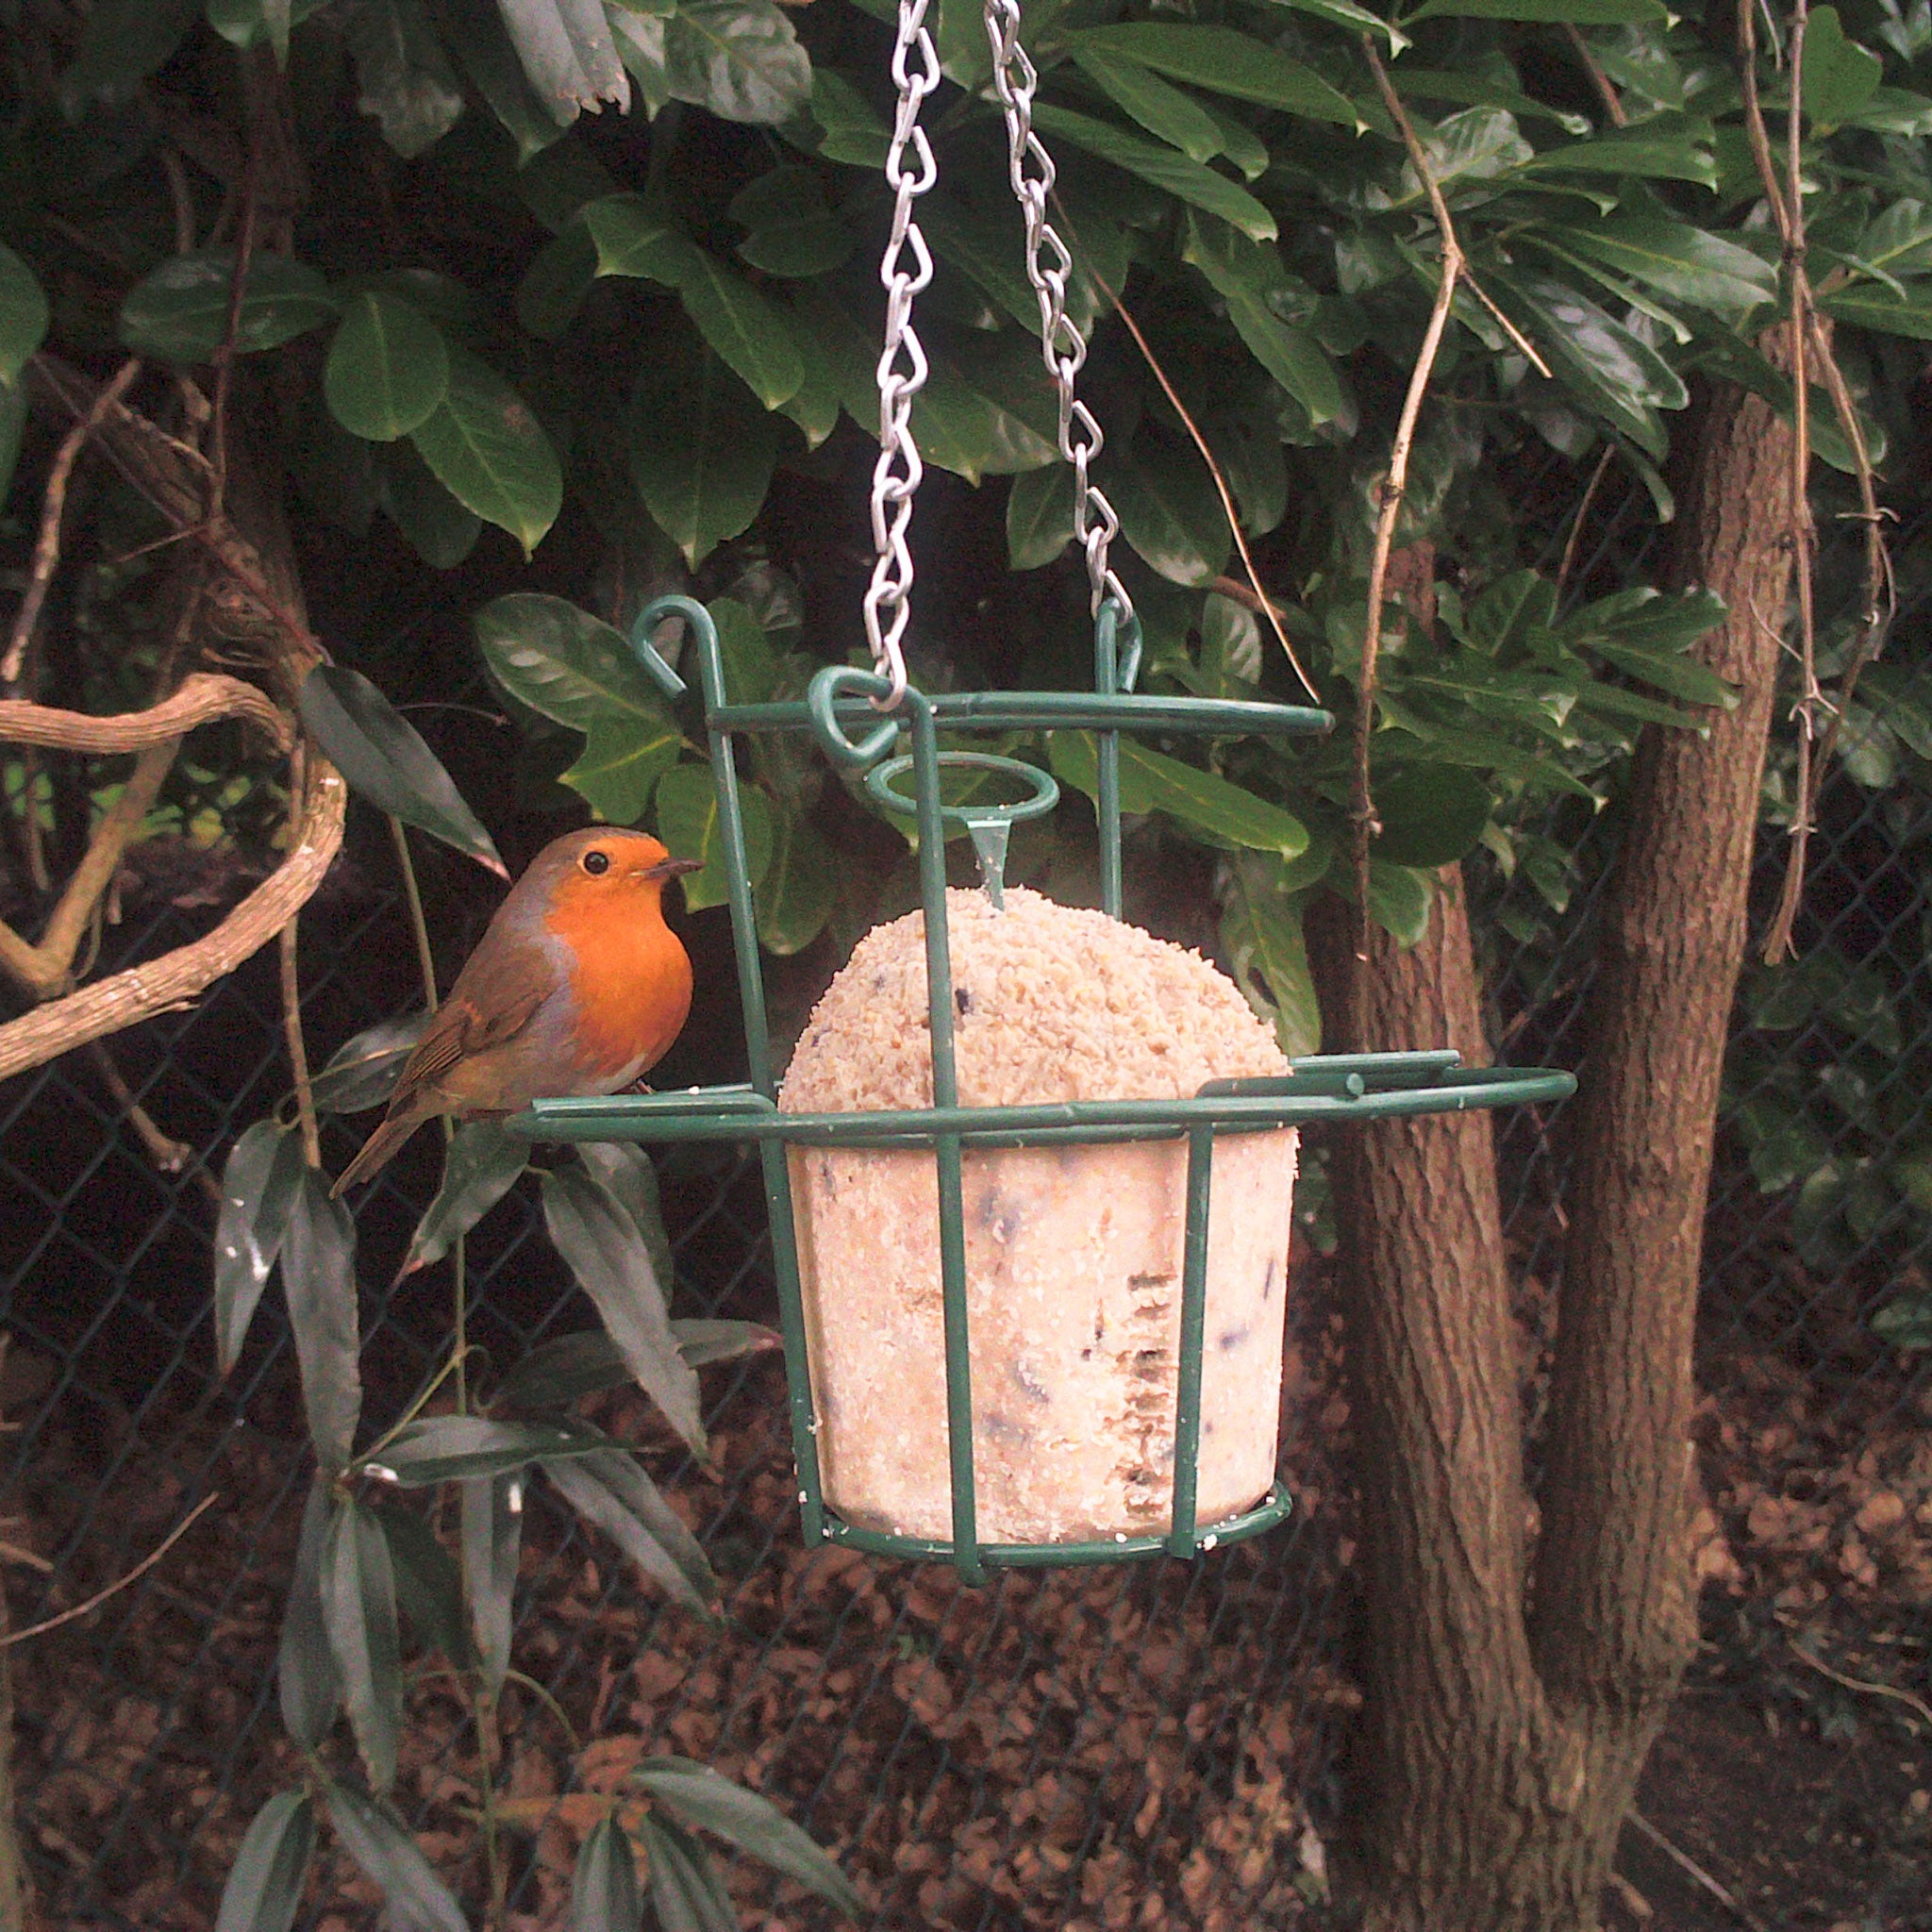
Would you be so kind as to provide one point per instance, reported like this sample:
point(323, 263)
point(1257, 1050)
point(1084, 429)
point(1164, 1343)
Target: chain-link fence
point(1056, 1750)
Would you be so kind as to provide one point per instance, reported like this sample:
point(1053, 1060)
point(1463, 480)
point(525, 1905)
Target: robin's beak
point(673, 868)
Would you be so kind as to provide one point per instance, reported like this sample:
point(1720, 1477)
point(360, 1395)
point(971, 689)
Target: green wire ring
point(1046, 791)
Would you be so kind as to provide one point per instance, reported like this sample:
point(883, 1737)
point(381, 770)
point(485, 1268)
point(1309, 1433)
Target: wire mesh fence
point(1056, 1750)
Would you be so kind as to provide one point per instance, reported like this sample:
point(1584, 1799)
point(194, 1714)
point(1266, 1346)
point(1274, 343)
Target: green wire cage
point(1335, 1087)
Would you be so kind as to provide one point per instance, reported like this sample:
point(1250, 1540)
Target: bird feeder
point(1021, 1327)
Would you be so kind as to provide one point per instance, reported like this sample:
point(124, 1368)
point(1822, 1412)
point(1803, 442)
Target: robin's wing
point(496, 995)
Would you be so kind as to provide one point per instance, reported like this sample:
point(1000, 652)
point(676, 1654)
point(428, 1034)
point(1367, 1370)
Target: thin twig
point(1362, 798)
point(1613, 105)
point(225, 355)
point(1688, 1864)
point(291, 1007)
point(1263, 603)
point(1603, 464)
point(169, 1154)
point(53, 504)
point(1861, 1684)
point(101, 1596)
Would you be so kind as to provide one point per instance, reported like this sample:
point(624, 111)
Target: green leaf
point(600, 1242)
point(475, 29)
point(688, 823)
point(849, 130)
point(612, 1491)
point(1174, 173)
point(363, 1071)
point(384, 760)
point(748, 330)
point(359, 1609)
point(1399, 900)
point(319, 1282)
point(1909, 315)
point(739, 59)
point(403, 78)
point(686, 1894)
point(634, 238)
point(1646, 151)
point(387, 368)
point(258, 1185)
point(1040, 516)
point(575, 671)
point(1346, 13)
point(310, 1685)
point(629, 1177)
point(704, 1799)
point(480, 1165)
point(568, 54)
point(493, 1532)
point(23, 315)
point(1261, 930)
point(558, 1372)
point(1225, 60)
point(1151, 781)
point(264, 1889)
point(751, 666)
point(1171, 512)
point(438, 528)
point(800, 887)
point(1839, 76)
point(429, 1586)
point(1575, 12)
point(604, 1895)
point(1165, 111)
point(1247, 275)
point(1431, 815)
point(12, 423)
point(701, 452)
point(418, 1900)
point(1683, 677)
point(702, 1340)
point(793, 232)
point(460, 1448)
point(124, 42)
point(491, 452)
point(180, 313)
point(1678, 259)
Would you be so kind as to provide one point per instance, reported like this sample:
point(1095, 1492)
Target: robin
point(578, 987)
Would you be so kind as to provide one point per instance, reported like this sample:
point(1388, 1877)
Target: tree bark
point(1501, 1746)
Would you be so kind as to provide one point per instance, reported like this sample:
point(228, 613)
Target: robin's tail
point(378, 1150)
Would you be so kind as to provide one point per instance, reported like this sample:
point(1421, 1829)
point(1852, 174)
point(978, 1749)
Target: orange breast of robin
point(629, 973)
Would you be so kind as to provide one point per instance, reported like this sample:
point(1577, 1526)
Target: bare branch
point(53, 504)
point(1613, 105)
point(119, 1583)
point(1563, 569)
point(201, 699)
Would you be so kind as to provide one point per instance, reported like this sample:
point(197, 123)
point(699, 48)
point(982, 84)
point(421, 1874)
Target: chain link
point(1048, 268)
point(902, 366)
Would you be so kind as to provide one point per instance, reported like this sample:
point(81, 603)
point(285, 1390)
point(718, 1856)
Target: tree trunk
point(1500, 1748)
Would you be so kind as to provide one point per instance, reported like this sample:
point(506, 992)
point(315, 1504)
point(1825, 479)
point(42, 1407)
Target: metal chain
point(903, 366)
point(1048, 266)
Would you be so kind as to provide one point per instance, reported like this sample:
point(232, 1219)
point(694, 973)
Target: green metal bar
point(1106, 803)
point(1054, 710)
point(1187, 1397)
point(1274, 1507)
point(613, 1117)
point(775, 1171)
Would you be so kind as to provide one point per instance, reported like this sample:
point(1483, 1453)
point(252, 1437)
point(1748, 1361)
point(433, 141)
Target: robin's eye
point(596, 863)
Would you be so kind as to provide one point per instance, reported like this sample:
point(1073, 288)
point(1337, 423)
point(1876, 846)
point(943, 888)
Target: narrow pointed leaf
point(264, 1889)
point(568, 53)
point(634, 238)
point(428, 1585)
point(180, 313)
point(630, 1177)
point(492, 1536)
point(490, 452)
point(310, 1685)
point(417, 1899)
point(258, 1184)
point(1261, 928)
point(455, 1448)
point(1140, 94)
point(385, 759)
point(748, 330)
point(1171, 512)
point(604, 1896)
point(359, 1609)
point(363, 1071)
point(1225, 60)
point(388, 367)
point(600, 1242)
point(480, 1165)
point(438, 528)
point(319, 1281)
point(800, 886)
point(23, 314)
point(482, 45)
point(1151, 781)
point(611, 1492)
point(701, 1797)
point(687, 1894)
